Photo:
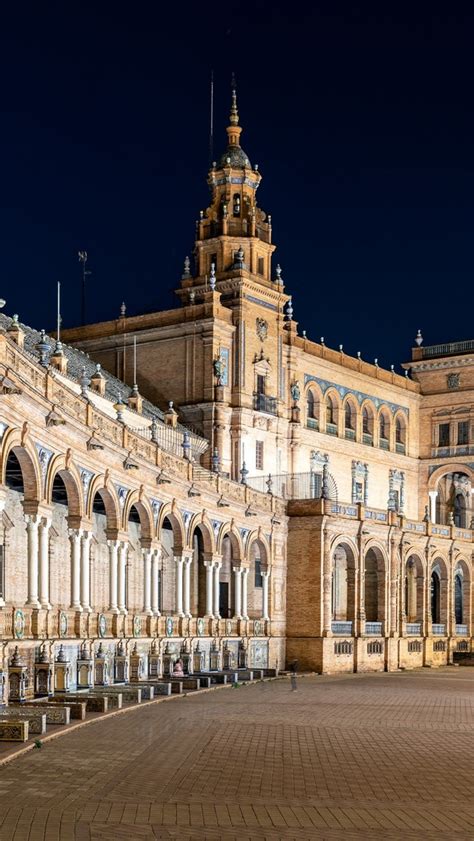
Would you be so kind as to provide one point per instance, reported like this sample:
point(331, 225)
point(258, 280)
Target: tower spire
point(234, 130)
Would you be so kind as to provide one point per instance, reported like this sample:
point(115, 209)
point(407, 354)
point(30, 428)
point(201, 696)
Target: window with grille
point(443, 435)
point(463, 432)
point(259, 455)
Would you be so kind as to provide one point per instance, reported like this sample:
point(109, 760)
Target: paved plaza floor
point(383, 756)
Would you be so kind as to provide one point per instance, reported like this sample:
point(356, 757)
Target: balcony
point(414, 629)
point(450, 349)
point(262, 403)
point(461, 630)
point(373, 629)
point(439, 630)
point(342, 629)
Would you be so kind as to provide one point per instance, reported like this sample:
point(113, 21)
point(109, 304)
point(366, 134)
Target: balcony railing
point(373, 629)
point(262, 403)
point(331, 428)
point(400, 448)
point(350, 434)
point(342, 629)
point(439, 630)
point(312, 423)
point(384, 444)
point(450, 349)
point(461, 630)
point(414, 629)
point(367, 438)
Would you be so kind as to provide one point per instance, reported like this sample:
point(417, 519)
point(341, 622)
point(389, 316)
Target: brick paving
point(383, 756)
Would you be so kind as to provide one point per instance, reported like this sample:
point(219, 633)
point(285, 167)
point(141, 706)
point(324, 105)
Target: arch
point(201, 521)
point(136, 500)
point(401, 428)
point(109, 497)
point(384, 422)
point(229, 530)
point(332, 408)
point(72, 482)
point(375, 565)
point(439, 590)
point(445, 469)
point(413, 587)
point(171, 513)
point(313, 398)
point(265, 551)
point(368, 419)
point(27, 456)
point(462, 598)
point(344, 561)
point(350, 408)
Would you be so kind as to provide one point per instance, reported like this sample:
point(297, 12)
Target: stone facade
point(313, 506)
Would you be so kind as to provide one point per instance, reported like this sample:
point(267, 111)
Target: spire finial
point(234, 114)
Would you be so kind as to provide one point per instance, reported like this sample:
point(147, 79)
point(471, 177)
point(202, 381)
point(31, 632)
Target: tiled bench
point(208, 678)
point(36, 719)
point(77, 708)
point(129, 694)
point(54, 714)
point(94, 703)
point(158, 687)
point(13, 730)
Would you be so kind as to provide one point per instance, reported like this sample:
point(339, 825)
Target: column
point(122, 577)
point(179, 585)
point(327, 585)
point(237, 592)
point(265, 579)
point(217, 570)
point(245, 574)
point(433, 495)
point(32, 523)
point(85, 571)
point(147, 582)
point(43, 561)
point(187, 587)
point(75, 538)
point(155, 583)
point(113, 575)
point(209, 581)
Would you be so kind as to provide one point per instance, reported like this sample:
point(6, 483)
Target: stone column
point(32, 523)
point(122, 577)
point(75, 538)
point(245, 575)
point(237, 592)
point(147, 581)
point(113, 575)
point(265, 579)
point(433, 495)
point(187, 585)
point(85, 571)
point(209, 590)
point(428, 629)
point(179, 585)
point(155, 582)
point(43, 559)
point(327, 586)
point(217, 570)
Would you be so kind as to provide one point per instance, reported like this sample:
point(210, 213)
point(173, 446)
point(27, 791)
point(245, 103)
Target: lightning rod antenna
point(83, 259)
point(211, 124)
point(58, 315)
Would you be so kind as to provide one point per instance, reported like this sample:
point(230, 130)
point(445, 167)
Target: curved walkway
point(366, 757)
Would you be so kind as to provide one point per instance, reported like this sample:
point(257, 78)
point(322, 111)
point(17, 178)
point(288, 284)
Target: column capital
point(74, 534)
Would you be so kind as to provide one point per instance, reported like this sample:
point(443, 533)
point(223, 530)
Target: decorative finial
point(303, 333)
point(84, 382)
point(212, 279)
point(243, 474)
point(43, 348)
point(406, 373)
point(376, 362)
point(419, 339)
point(392, 368)
point(187, 266)
point(341, 348)
point(192, 296)
point(234, 114)
point(321, 341)
point(123, 309)
point(289, 310)
point(279, 278)
point(358, 354)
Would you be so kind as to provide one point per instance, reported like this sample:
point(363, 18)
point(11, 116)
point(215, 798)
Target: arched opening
point(312, 410)
point(167, 569)
point(134, 569)
point(258, 563)
point(350, 420)
point(458, 598)
point(414, 589)
point(343, 584)
point(384, 430)
point(198, 603)
point(374, 586)
point(454, 500)
point(100, 597)
point(400, 434)
point(226, 594)
point(367, 425)
point(331, 415)
point(17, 584)
point(61, 583)
point(435, 597)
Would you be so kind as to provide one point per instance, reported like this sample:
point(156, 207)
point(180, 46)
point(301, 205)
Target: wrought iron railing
point(262, 403)
point(172, 440)
point(295, 485)
point(341, 628)
point(449, 349)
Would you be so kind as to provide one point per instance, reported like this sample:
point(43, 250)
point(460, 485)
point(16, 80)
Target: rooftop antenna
point(58, 316)
point(135, 362)
point(211, 125)
point(83, 259)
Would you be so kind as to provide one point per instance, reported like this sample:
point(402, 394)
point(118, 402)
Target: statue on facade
point(295, 391)
point(219, 369)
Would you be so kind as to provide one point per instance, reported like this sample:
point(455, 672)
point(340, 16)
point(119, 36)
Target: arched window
point(236, 205)
point(458, 598)
point(311, 410)
point(459, 511)
point(331, 422)
point(435, 597)
point(400, 435)
point(384, 431)
point(349, 418)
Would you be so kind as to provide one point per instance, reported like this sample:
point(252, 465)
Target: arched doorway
point(374, 586)
point(198, 604)
point(343, 584)
point(414, 582)
point(458, 598)
point(435, 597)
point(167, 570)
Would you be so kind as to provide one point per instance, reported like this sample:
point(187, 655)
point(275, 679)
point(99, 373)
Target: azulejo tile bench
point(13, 730)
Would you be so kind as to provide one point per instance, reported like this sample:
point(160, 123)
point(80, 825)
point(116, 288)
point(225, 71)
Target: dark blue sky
point(361, 123)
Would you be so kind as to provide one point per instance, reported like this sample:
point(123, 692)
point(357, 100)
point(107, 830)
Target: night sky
point(361, 123)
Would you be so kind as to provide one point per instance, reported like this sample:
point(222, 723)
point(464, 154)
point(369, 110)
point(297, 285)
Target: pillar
point(43, 562)
point(209, 591)
point(265, 579)
point(394, 629)
point(122, 577)
point(155, 582)
point(433, 495)
point(187, 586)
point(327, 586)
point(147, 583)
point(85, 571)
point(113, 575)
point(32, 523)
point(75, 539)
point(179, 585)
point(245, 575)
point(237, 592)
point(217, 570)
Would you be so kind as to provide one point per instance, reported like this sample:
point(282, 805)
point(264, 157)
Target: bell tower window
point(213, 259)
point(236, 205)
point(261, 265)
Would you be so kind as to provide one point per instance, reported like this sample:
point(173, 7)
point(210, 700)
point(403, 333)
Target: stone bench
point(209, 678)
point(36, 719)
point(157, 688)
point(94, 703)
point(13, 730)
point(54, 714)
point(77, 708)
point(129, 694)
